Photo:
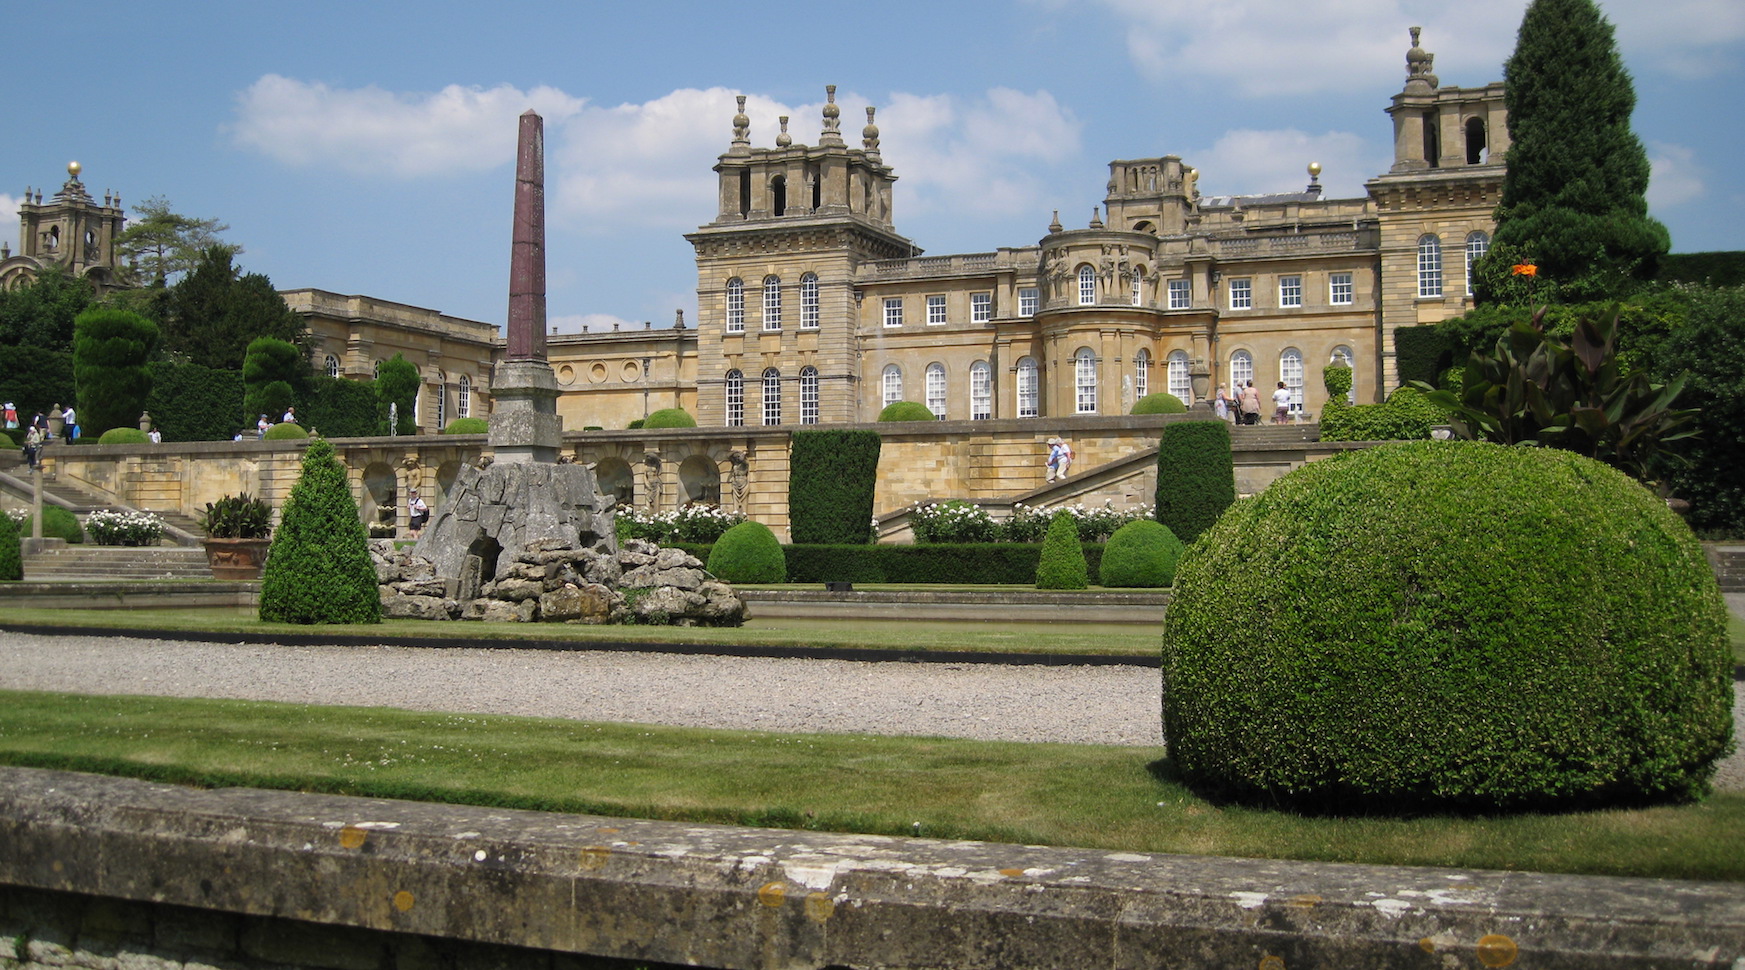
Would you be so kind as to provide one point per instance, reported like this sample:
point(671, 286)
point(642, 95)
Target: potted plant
point(239, 531)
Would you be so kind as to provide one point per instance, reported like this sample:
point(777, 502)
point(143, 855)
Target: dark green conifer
point(319, 568)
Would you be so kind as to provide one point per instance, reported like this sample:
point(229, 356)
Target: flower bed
point(693, 523)
point(958, 521)
point(113, 528)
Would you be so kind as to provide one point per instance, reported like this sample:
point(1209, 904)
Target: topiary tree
point(57, 523)
point(1162, 402)
point(110, 352)
point(1196, 476)
point(270, 372)
point(1061, 563)
point(124, 436)
point(1337, 379)
point(319, 570)
point(670, 418)
point(11, 550)
point(748, 553)
point(285, 431)
point(467, 426)
point(1140, 554)
point(906, 411)
point(1448, 625)
point(397, 385)
point(831, 476)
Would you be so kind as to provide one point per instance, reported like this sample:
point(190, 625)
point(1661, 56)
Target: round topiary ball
point(1447, 625)
point(906, 411)
point(670, 418)
point(285, 431)
point(124, 436)
point(748, 553)
point(1143, 553)
point(467, 426)
point(1160, 403)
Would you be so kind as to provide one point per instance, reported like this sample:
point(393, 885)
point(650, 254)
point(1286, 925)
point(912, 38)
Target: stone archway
point(381, 498)
point(612, 476)
point(699, 481)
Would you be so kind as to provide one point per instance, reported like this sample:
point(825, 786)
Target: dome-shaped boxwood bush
point(1447, 625)
point(1162, 402)
point(124, 436)
point(1142, 553)
point(286, 431)
point(1061, 562)
point(670, 418)
point(906, 411)
point(57, 523)
point(748, 553)
point(318, 569)
point(467, 426)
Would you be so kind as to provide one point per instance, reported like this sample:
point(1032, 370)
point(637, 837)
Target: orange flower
point(1524, 269)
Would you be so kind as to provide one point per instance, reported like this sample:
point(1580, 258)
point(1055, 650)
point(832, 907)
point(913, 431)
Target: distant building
point(70, 230)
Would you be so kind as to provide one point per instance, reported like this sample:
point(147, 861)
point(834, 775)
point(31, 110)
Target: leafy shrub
point(1405, 416)
point(1420, 353)
point(1337, 379)
point(669, 418)
point(1708, 348)
point(124, 436)
point(57, 523)
point(1141, 554)
point(238, 517)
point(635, 425)
point(1061, 564)
point(748, 553)
point(1448, 625)
point(318, 569)
point(285, 431)
point(951, 521)
point(692, 523)
point(110, 351)
point(1196, 476)
point(1161, 402)
point(831, 476)
point(11, 550)
point(114, 528)
point(189, 402)
point(906, 411)
point(467, 426)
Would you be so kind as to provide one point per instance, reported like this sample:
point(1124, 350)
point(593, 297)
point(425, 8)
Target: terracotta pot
point(237, 558)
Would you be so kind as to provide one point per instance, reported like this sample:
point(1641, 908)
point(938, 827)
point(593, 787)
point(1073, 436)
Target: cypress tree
point(1574, 197)
point(110, 352)
point(319, 570)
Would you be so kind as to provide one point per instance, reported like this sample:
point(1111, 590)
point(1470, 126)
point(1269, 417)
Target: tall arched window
point(1477, 244)
point(772, 303)
point(936, 389)
point(464, 403)
point(1084, 372)
point(1138, 286)
point(1141, 373)
point(1429, 266)
point(1342, 355)
point(735, 305)
point(1029, 388)
point(332, 363)
point(892, 383)
point(809, 301)
point(734, 387)
point(1290, 370)
point(808, 395)
point(1241, 369)
point(772, 396)
point(1179, 385)
point(981, 391)
point(1087, 285)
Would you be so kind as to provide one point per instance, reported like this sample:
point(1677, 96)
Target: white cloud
point(1250, 162)
point(1677, 176)
point(1684, 38)
point(649, 162)
point(989, 155)
point(9, 219)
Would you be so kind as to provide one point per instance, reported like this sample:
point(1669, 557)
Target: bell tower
point(71, 230)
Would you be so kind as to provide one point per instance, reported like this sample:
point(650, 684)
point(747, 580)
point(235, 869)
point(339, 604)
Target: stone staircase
point(182, 530)
point(116, 563)
point(1728, 561)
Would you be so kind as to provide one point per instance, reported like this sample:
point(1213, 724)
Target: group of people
point(1246, 404)
point(261, 426)
point(37, 434)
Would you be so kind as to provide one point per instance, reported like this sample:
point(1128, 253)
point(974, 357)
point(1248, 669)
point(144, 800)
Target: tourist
point(11, 413)
point(1059, 459)
point(260, 427)
point(1281, 404)
point(33, 446)
point(156, 436)
point(1221, 404)
point(1250, 404)
point(290, 416)
point(420, 514)
point(71, 422)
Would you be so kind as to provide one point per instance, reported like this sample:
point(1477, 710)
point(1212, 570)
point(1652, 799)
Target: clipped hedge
point(1061, 564)
point(748, 553)
point(1162, 402)
point(994, 563)
point(1196, 476)
point(57, 523)
point(318, 569)
point(189, 402)
point(11, 550)
point(1714, 269)
point(467, 426)
point(1448, 626)
point(124, 436)
point(1404, 416)
point(669, 418)
point(1140, 554)
point(1421, 353)
point(831, 476)
point(285, 431)
point(907, 411)
point(339, 407)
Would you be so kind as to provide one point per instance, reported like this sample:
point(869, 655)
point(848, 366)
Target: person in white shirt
point(1281, 404)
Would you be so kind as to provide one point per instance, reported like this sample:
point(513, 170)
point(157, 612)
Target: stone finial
point(1314, 178)
point(869, 136)
point(1096, 217)
point(1418, 64)
point(679, 319)
point(784, 139)
point(1054, 224)
point(741, 124)
point(832, 134)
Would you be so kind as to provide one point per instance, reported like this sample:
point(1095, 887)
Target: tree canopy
point(397, 384)
point(110, 351)
point(41, 313)
point(166, 243)
point(215, 311)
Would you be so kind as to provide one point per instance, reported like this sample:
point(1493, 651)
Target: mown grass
point(1081, 795)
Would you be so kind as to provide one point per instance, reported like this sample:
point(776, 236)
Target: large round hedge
point(1447, 625)
point(124, 436)
point(670, 418)
point(748, 553)
point(906, 411)
point(467, 426)
point(285, 431)
point(57, 523)
point(1143, 553)
point(1162, 402)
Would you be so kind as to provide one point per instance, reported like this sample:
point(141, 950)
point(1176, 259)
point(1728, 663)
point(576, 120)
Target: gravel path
point(1079, 705)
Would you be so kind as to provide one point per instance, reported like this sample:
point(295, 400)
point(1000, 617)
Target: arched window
point(1084, 371)
point(772, 396)
point(1429, 266)
point(1241, 369)
point(981, 391)
point(464, 403)
point(1477, 244)
point(1087, 285)
point(936, 389)
point(332, 363)
point(772, 303)
point(1141, 373)
point(1029, 388)
point(808, 395)
point(892, 383)
point(1179, 385)
point(809, 301)
point(1290, 370)
point(735, 305)
point(1342, 355)
point(734, 386)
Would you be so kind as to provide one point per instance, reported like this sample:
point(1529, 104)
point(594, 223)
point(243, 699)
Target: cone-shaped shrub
point(319, 569)
point(1141, 554)
point(11, 553)
point(748, 553)
point(1062, 562)
point(1196, 477)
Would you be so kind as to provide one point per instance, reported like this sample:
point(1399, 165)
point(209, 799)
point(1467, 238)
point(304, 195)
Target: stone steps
point(117, 563)
point(1728, 561)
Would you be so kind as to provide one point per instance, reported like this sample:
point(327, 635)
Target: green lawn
point(1081, 795)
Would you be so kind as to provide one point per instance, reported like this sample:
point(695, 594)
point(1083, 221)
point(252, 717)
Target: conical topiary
point(11, 556)
point(319, 569)
point(1062, 563)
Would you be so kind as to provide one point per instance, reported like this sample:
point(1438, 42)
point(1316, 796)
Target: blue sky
point(369, 148)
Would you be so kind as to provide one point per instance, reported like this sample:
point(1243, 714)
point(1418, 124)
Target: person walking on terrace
point(1281, 404)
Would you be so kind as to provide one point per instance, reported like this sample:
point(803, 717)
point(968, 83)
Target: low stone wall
point(296, 879)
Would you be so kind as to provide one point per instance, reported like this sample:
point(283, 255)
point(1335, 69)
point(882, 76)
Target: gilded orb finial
point(1314, 170)
point(74, 168)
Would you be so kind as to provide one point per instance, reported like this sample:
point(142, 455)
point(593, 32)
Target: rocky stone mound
point(642, 583)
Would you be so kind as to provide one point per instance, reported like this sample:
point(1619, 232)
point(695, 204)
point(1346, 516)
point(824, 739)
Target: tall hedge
point(319, 569)
point(271, 371)
point(397, 384)
point(1196, 477)
point(1062, 562)
point(1421, 353)
point(831, 476)
point(110, 351)
point(192, 402)
point(11, 550)
point(338, 407)
point(1713, 269)
point(35, 379)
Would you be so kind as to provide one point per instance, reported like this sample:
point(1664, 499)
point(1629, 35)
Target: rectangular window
point(1339, 289)
point(809, 398)
point(735, 307)
point(1242, 294)
point(1290, 291)
point(893, 311)
point(1181, 294)
point(935, 310)
point(981, 307)
point(809, 302)
point(1027, 301)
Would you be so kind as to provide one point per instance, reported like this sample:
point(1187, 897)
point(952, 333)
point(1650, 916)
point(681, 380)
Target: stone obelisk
point(524, 426)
